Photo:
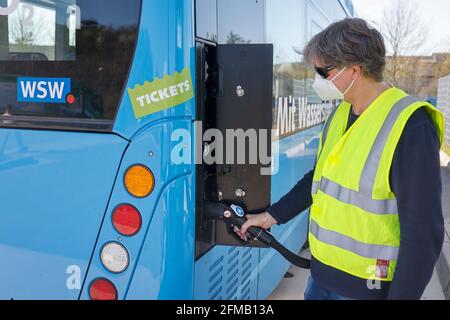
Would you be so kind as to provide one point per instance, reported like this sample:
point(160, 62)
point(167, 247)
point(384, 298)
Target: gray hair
point(349, 42)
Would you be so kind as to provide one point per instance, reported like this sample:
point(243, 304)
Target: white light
point(115, 257)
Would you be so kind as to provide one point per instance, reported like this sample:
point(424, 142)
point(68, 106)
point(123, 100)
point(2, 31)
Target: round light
point(102, 289)
point(139, 181)
point(115, 257)
point(127, 220)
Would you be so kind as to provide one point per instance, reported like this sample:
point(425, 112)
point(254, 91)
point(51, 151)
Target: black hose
point(290, 256)
point(266, 238)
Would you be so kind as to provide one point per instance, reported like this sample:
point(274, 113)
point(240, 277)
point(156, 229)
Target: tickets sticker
point(161, 94)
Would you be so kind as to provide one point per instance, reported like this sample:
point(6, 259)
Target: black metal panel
point(206, 101)
point(220, 105)
point(250, 68)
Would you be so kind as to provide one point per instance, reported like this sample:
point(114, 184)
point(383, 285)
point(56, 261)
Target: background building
point(418, 75)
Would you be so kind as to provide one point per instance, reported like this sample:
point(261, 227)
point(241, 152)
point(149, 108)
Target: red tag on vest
point(382, 269)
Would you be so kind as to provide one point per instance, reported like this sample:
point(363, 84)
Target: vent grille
point(230, 275)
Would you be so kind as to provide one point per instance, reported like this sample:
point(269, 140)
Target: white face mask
point(327, 90)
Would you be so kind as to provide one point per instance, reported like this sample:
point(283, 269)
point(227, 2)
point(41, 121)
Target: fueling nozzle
point(234, 216)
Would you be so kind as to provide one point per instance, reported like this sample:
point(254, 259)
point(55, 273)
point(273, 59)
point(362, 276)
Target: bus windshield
point(64, 63)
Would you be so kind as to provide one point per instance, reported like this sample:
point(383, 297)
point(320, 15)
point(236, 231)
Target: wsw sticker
point(49, 90)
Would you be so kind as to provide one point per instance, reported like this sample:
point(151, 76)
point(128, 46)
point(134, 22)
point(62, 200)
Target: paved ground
point(292, 288)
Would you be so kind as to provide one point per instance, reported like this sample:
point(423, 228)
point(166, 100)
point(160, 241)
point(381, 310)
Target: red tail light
point(102, 289)
point(127, 220)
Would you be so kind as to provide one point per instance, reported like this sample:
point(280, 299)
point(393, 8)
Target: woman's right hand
point(263, 220)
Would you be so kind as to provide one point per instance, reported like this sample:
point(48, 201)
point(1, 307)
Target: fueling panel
point(234, 89)
point(244, 107)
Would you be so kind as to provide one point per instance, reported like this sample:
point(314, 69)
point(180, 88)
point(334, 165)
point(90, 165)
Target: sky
point(434, 13)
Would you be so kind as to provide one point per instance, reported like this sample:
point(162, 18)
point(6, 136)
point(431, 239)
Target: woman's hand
point(263, 220)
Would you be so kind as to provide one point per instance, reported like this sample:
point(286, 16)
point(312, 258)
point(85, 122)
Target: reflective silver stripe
point(362, 249)
point(369, 173)
point(315, 187)
point(327, 126)
point(359, 199)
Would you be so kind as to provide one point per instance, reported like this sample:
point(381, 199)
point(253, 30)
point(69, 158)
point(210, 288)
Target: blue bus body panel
point(162, 253)
point(165, 45)
point(168, 274)
point(227, 272)
point(53, 192)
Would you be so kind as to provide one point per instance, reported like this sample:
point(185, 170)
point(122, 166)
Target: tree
point(404, 35)
point(234, 38)
point(25, 33)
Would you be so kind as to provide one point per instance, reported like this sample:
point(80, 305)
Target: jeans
point(315, 292)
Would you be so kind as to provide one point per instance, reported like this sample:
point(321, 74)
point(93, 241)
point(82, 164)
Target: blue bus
point(95, 96)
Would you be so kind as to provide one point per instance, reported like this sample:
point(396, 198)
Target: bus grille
point(230, 276)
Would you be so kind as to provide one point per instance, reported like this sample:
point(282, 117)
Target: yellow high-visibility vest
point(354, 223)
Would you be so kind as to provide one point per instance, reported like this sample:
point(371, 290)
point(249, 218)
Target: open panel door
point(237, 102)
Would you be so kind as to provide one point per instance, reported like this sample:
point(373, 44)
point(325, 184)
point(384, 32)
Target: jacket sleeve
point(294, 202)
point(416, 182)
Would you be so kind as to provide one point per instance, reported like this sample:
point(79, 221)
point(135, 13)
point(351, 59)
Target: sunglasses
point(324, 72)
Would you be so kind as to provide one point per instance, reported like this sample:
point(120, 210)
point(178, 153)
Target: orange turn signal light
point(139, 181)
